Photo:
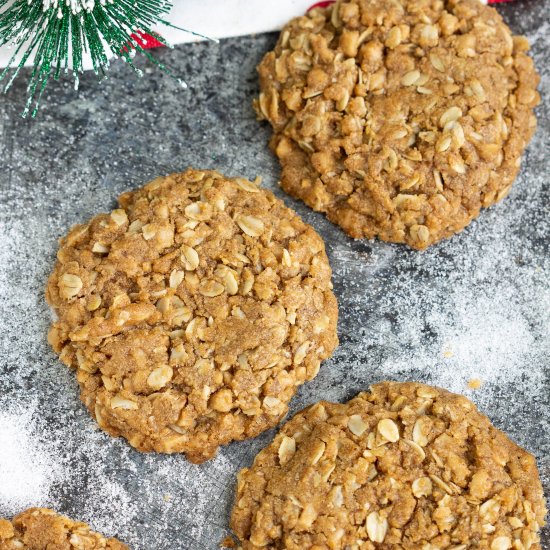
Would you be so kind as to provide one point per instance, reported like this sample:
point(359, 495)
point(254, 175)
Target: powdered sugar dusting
point(476, 306)
point(480, 323)
point(25, 463)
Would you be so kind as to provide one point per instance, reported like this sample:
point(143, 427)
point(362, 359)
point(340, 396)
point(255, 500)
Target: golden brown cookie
point(399, 119)
point(43, 529)
point(193, 312)
point(406, 466)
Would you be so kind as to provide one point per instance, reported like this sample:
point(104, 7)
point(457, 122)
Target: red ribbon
point(146, 41)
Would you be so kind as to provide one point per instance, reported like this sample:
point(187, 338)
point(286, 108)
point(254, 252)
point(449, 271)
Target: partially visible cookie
point(193, 312)
point(399, 119)
point(43, 529)
point(405, 466)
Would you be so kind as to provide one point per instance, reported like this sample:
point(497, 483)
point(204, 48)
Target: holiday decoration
point(60, 33)
point(54, 37)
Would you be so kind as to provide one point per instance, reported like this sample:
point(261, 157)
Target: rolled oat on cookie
point(403, 466)
point(399, 119)
point(43, 529)
point(193, 312)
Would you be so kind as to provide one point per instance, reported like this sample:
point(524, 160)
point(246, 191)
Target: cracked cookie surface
point(399, 120)
point(404, 466)
point(193, 312)
point(43, 529)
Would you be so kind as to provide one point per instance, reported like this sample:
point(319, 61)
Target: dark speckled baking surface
point(476, 306)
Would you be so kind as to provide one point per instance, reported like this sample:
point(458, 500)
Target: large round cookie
point(406, 466)
point(193, 312)
point(399, 119)
point(43, 529)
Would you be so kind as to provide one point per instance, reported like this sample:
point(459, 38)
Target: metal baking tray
point(473, 307)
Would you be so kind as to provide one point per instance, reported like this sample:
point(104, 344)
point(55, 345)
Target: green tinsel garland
point(60, 32)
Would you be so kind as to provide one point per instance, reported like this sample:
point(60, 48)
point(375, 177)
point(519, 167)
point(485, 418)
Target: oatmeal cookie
point(193, 312)
point(43, 529)
point(406, 466)
point(399, 119)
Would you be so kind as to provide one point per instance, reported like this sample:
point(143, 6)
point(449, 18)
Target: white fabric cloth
point(218, 19)
point(223, 18)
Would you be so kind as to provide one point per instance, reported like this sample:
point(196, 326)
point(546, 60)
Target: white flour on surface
point(35, 465)
point(478, 330)
point(475, 306)
point(26, 466)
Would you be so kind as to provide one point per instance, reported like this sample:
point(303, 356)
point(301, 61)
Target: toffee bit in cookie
point(203, 309)
point(404, 466)
point(43, 529)
point(371, 98)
